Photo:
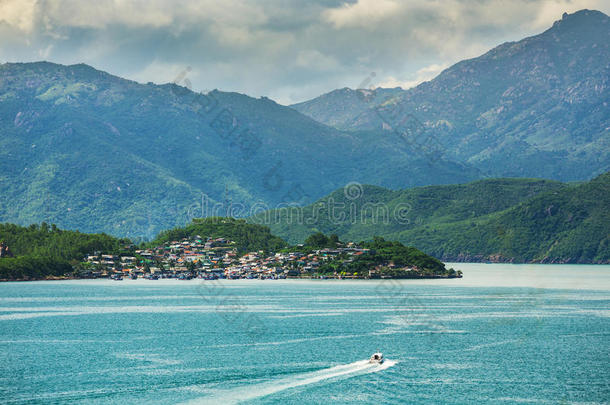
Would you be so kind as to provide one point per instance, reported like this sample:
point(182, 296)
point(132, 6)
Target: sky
point(289, 51)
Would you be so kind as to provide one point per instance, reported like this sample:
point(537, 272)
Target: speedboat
point(376, 358)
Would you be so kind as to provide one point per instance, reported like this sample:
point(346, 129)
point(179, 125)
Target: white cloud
point(45, 52)
point(164, 72)
point(101, 13)
point(134, 13)
point(364, 13)
point(18, 14)
point(313, 59)
point(551, 11)
point(422, 75)
point(273, 47)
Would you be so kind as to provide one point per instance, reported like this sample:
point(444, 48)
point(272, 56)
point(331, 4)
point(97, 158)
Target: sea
point(503, 334)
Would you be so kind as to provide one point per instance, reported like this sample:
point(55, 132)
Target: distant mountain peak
point(543, 98)
point(579, 20)
point(584, 14)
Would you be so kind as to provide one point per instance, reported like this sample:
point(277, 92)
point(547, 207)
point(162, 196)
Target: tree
point(190, 266)
point(333, 240)
point(317, 240)
point(160, 265)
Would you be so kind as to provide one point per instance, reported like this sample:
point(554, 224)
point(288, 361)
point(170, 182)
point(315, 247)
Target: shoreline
point(516, 264)
point(56, 278)
point(508, 260)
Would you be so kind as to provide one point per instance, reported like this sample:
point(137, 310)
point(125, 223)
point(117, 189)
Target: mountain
point(533, 108)
point(247, 237)
point(342, 108)
point(91, 151)
point(520, 220)
point(359, 212)
point(40, 251)
point(45, 251)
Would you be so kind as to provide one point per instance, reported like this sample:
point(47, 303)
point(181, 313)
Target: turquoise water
point(503, 334)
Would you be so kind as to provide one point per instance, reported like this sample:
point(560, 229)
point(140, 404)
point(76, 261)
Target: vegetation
point(91, 151)
point(384, 258)
point(33, 268)
point(44, 250)
point(379, 211)
point(520, 220)
point(567, 226)
point(400, 255)
point(248, 237)
point(320, 241)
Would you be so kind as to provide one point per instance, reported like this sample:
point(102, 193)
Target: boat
point(376, 358)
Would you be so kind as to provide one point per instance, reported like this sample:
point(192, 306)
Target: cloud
point(313, 59)
point(18, 14)
point(289, 51)
point(424, 74)
point(102, 13)
point(363, 13)
point(549, 11)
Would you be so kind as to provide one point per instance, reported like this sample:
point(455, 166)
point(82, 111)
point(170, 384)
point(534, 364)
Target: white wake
point(249, 392)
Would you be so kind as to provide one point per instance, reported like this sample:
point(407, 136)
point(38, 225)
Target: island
point(210, 248)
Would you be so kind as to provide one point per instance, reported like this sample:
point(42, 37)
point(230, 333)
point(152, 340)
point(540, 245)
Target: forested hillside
point(247, 237)
point(91, 151)
point(40, 251)
point(518, 220)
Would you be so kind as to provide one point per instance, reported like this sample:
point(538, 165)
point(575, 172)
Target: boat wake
point(254, 391)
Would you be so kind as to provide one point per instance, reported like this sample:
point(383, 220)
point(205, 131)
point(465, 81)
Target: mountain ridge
point(88, 150)
point(502, 220)
point(92, 151)
point(531, 108)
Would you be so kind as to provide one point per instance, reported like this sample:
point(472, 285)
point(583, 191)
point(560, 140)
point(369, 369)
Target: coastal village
point(231, 249)
point(208, 258)
point(217, 258)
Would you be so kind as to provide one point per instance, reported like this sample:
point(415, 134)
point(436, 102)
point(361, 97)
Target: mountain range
point(501, 220)
point(87, 150)
point(533, 108)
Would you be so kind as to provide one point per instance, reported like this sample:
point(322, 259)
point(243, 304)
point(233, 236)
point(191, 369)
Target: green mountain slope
point(40, 251)
point(91, 151)
point(358, 212)
point(533, 108)
point(247, 237)
point(567, 226)
point(519, 220)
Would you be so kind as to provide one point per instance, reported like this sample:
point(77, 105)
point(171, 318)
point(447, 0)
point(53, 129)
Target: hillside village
point(219, 258)
point(230, 249)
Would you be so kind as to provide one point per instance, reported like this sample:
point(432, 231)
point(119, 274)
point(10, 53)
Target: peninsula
point(211, 248)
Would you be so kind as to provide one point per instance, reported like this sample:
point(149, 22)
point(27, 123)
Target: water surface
point(502, 334)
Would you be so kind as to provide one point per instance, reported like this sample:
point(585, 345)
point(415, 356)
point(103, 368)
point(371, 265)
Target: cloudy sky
point(287, 50)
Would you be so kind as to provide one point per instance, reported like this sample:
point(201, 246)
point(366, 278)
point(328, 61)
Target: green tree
point(317, 241)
